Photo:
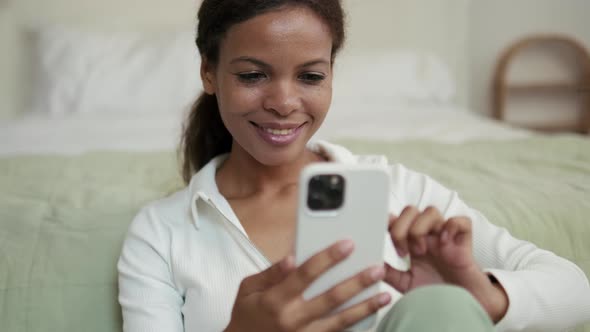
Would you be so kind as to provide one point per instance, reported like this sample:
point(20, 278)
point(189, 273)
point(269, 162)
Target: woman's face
point(273, 82)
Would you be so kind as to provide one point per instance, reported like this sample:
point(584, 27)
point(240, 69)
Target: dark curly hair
point(205, 135)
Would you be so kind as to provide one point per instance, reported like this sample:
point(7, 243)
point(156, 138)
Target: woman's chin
point(280, 157)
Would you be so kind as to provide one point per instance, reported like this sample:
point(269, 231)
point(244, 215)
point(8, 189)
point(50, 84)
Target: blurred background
point(465, 39)
point(93, 94)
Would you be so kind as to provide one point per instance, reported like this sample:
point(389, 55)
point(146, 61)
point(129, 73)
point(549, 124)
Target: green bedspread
point(63, 219)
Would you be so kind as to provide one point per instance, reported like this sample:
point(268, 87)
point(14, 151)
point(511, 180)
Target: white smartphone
point(343, 201)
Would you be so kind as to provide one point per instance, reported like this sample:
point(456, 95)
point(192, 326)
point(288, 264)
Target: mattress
point(78, 133)
point(63, 218)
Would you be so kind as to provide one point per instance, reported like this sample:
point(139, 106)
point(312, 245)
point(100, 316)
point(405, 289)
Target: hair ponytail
point(204, 136)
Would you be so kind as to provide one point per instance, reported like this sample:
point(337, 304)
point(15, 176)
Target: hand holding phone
point(272, 300)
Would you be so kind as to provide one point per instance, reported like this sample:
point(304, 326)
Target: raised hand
point(273, 299)
point(441, 252)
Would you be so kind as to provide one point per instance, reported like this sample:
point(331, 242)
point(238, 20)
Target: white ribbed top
point(185, 256)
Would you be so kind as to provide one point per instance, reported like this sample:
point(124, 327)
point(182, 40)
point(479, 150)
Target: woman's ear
point(208, 77)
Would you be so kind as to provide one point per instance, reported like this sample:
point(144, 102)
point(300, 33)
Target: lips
point(282, 132)
point(277, 125)
point(278, 133)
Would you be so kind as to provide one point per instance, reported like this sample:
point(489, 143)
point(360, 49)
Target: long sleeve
point(546, 292)
point(148, 297)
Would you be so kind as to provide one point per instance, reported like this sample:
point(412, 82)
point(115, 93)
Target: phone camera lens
point(325, 192)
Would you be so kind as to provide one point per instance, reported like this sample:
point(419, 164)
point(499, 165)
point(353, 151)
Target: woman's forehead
point(294, 29)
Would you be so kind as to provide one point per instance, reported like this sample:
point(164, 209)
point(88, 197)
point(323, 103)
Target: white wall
point(439, 26)
point(7, 73)
point(496, 24)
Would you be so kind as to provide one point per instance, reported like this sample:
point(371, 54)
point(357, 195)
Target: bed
point(63, 216)
point(67, 201)
point(78, 165)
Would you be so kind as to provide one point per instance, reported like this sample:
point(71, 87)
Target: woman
point(218, 255)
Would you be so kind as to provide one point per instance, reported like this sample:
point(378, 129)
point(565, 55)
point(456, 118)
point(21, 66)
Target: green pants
point(437, 308)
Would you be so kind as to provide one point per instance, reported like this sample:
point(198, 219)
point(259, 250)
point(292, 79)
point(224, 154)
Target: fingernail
point(384, 299)
point(287, 263)
point(377, 272)
point(345, 247)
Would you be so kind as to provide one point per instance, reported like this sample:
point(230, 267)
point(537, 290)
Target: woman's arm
point(545, 292)
point(147, 294)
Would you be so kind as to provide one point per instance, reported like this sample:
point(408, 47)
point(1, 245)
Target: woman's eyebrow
point(266, 65)
point(251, 60)
point(315, 62)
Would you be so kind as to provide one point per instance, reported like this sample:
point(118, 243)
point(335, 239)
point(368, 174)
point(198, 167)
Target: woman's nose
point(282, 98)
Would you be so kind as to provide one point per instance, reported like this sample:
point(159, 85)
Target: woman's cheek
point(321, 102)
point(240, 100)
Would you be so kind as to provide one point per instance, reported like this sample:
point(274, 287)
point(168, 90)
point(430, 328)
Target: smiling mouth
point(277, 131)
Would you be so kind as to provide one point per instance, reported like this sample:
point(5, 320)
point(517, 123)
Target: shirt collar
point(204, 187)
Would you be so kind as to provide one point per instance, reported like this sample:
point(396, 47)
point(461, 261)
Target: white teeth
point(281, 132)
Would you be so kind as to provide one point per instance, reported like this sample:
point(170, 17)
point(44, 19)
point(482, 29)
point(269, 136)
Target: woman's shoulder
point(407, 184)
point(168, 211)
point(341, 153)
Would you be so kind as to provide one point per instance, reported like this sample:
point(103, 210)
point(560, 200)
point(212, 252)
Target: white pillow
point(398, 77)
point(84, 71)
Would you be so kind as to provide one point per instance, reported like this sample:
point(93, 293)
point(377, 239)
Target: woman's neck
point(242, 176)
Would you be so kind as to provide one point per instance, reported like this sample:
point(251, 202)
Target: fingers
point(399, 228)
point(346, 318)
point(400, 280)
point(341, 293)
point(409, 231)
point(267, 278)
point(429, 221)
point(456, 230)
point(297, 281)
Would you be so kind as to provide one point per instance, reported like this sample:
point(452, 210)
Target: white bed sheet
point(40, 134)
point(80, 133)
point(440, 123)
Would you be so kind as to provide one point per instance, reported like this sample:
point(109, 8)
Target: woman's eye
point(252, 77)
point(312, 78)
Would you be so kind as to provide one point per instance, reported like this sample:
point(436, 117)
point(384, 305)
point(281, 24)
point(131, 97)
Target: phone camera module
point(325, 192)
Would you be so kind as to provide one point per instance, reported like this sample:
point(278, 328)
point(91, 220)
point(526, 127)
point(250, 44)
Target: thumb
point(267, 278)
